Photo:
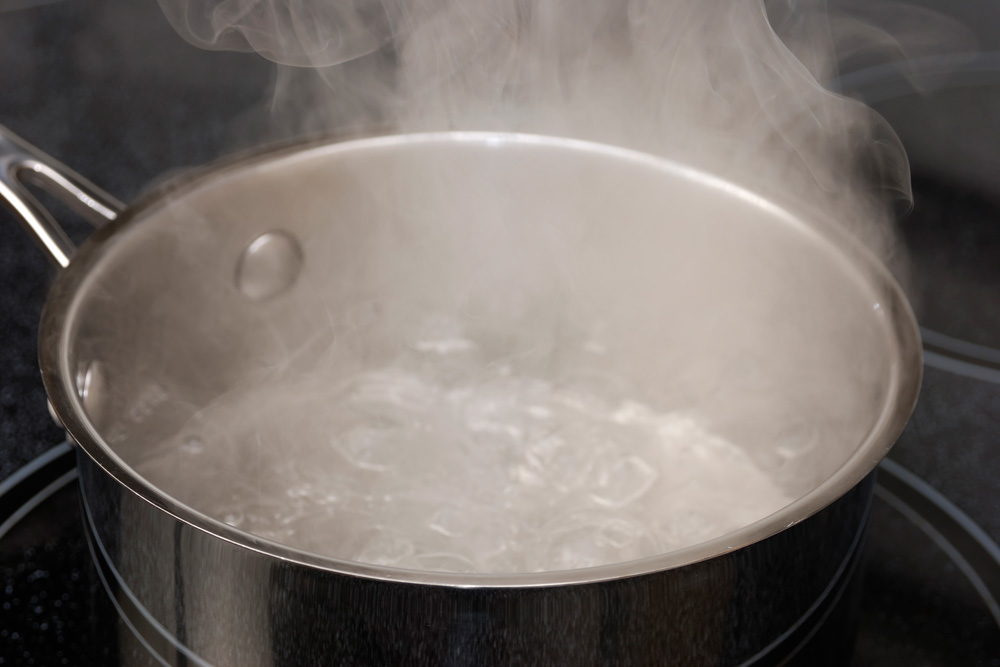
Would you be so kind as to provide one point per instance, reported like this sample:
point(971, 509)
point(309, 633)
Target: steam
point(707, 83)
point(731, 87)
point(290, 32)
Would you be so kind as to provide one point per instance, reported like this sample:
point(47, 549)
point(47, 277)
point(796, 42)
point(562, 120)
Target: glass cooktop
point(931, 591)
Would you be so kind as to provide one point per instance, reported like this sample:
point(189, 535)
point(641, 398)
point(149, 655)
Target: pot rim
point(61, 307)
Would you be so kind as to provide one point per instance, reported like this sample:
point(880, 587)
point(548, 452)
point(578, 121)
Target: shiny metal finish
point(92, 387)
point(269, 265)
point(198, 599)
point(21, 163)
point(222, 596)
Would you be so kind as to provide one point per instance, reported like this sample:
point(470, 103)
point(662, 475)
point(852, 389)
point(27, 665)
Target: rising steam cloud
point(708, 83)
point(733, 87)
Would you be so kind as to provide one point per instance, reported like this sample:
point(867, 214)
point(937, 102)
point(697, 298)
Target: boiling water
point(448, 460)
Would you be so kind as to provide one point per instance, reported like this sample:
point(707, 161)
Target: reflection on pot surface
point(429, 379)
point(770, 350)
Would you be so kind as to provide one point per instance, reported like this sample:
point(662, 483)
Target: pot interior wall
point(695, 296)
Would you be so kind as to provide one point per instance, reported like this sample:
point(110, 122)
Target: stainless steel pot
point(175, 298)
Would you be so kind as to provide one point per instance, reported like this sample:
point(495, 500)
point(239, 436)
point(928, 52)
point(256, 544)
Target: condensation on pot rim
point(269, 265)
point(92, 385)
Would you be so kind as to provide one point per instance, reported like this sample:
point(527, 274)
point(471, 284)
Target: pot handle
point(21, 164)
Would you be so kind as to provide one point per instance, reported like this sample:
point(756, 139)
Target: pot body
point(195, 289)
point(194, 598)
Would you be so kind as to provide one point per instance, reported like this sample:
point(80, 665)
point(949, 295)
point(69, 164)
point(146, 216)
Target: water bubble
point(620, 533)
point(566, 457)
point(493, 409)
point(386, 549)
point(685, 526)
point(590, 539)
point(371, 447)
point(193, 445)
point(624, 482)
point(450, 521)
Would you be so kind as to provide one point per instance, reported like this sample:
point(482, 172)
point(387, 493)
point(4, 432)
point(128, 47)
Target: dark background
point(112, 91)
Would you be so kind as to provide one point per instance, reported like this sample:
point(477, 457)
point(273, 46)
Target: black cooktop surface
point(932, 580)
